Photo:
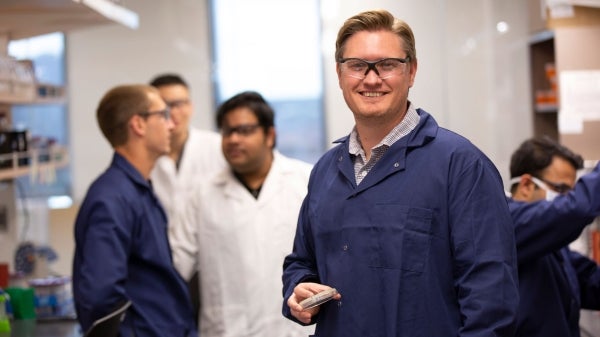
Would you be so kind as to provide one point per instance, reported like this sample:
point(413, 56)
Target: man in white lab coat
point(195, 154)
point(240, 225)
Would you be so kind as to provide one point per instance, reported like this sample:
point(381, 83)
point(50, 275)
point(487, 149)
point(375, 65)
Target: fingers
point(307, 289)
point(296, 310)
point(293, 303)
point(301, 292)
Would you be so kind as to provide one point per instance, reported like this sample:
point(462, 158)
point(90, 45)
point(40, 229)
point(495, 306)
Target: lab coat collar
point(123, 164)
point(233, 188)
point(394, 159)
point(423, 133)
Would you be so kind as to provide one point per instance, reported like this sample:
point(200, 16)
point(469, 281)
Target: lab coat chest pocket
point(403, 236)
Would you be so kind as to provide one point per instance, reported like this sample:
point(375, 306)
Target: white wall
point(173, 37)
point(472, 79)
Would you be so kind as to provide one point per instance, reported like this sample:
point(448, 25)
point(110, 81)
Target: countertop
point(590, 323)
point(46, 328)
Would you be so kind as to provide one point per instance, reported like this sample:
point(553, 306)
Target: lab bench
point(590, 323)
point(43, 328)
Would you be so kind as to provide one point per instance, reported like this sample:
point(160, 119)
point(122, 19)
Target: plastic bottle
point(4, 322)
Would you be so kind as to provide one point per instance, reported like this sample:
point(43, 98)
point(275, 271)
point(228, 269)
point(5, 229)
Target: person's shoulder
point(459, 146)
point(290, 160)
point(200, 137)
point(112, 187)
point(454, 139)
point(446, 144)
point(293, 164)
point(205, 140)
point(429, 128)
point(112, 179)
point(441, 137)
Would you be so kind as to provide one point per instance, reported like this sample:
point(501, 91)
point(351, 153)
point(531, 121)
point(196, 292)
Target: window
point(273, 47)
point(45, 123)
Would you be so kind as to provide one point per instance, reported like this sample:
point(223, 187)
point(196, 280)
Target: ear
point(271, 137)
point(525, 189)
point(413, 72)
point(137, 125)
point(339, 73)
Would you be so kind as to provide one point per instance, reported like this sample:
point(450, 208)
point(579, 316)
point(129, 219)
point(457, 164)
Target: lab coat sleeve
point(183, 239)
point(299, 266)
point(588, 275)
point(103, 260)
point(543, 227)
point(485, 268)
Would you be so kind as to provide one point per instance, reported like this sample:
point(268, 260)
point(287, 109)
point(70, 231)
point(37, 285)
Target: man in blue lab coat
point(122, 251)
point(407, 220)
point(550, 210)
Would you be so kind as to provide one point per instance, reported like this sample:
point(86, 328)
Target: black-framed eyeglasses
point(177, 103)
point(242, 130)
point(164, 113)
point(557, 187)
point(384, 68)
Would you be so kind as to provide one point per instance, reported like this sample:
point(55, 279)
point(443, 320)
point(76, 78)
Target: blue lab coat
point(122, 253)
point(423, 246)
point(554, 282)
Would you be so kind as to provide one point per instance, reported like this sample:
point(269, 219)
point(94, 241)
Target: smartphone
point(318, 299)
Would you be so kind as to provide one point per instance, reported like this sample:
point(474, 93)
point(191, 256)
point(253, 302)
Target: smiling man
point(407, 220)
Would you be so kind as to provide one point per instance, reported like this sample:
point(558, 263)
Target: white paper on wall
point(579, 99)
point(560, 8)
point(564, 8)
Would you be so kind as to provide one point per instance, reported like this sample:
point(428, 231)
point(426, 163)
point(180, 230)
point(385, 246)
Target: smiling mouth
point(371, 94)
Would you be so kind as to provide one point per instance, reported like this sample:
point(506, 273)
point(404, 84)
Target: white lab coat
point(202, 157)
point(238, 243)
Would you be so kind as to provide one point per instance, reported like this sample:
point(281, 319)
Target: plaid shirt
point(361, 165)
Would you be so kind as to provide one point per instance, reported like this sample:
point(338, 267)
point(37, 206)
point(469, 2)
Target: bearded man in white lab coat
point(240, 225)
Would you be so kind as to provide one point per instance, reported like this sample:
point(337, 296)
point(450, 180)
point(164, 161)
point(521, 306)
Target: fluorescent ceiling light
point(114, 12)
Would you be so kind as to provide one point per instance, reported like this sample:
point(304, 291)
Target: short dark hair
point(251, 100)
point(536, 154)
point(168, 79)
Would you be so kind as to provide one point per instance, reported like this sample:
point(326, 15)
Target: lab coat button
point(396, 164)
point(345, 247)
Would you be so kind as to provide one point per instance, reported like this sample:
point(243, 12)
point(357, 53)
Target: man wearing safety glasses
point(550, 208)
point(405, 219)
point(122, 252)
